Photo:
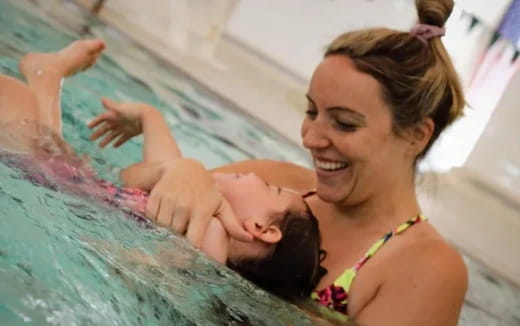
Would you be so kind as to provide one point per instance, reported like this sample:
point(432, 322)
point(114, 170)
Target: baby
point(284, 256)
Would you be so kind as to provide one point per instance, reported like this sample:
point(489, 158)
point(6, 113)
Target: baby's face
point(252, 197)
point(256, 204)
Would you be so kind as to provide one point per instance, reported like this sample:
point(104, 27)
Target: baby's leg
point(45, 72)
point(17, 101)
point(18, 115)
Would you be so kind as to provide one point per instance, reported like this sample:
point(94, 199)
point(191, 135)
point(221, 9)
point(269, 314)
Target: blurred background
point(260, 56)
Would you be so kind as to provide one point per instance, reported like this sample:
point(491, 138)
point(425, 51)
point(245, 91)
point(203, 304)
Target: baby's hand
point(121, 121)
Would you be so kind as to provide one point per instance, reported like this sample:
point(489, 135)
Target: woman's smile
point(329, 165)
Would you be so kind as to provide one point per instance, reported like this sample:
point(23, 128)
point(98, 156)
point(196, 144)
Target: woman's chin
point(329, 195)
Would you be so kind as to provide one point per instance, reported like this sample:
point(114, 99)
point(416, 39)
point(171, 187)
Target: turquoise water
point(205, 126)
point(70, 260)
point(67, 261)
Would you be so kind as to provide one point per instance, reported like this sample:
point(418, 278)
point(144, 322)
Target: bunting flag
point(515, 56)
point(508, 29)
point(492, 74)
point(499, 61)
point(510, 26)
point(474, 22)
point(494, 39)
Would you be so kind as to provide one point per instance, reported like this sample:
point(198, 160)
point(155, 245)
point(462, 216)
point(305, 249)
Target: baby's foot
point(79, 55)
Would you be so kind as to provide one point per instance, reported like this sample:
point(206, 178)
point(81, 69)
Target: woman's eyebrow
point(310, 99)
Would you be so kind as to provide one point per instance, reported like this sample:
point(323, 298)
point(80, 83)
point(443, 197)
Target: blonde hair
point(418, 81)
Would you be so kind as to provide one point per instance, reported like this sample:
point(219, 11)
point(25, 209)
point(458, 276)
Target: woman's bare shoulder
point(424, 283)
point(432, 257)
point(284, 174)
point(435, 257)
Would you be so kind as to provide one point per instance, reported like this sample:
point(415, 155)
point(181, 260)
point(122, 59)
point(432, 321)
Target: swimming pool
point(70, 260)
point(66, 260)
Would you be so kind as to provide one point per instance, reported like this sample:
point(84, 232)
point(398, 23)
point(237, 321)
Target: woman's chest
point(344, 251)
point(351, 280)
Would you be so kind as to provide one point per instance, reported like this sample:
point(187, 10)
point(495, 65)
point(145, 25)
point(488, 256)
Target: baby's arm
point(159, 143)
point(123, 121)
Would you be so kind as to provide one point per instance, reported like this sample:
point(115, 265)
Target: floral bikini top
point(335, 296)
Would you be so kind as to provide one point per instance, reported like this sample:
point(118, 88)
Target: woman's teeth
point(330, 166)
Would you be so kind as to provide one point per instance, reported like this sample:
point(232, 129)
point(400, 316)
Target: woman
point(377, 102)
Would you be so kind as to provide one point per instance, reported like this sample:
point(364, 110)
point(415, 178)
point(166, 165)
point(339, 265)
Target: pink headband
point(424, 32)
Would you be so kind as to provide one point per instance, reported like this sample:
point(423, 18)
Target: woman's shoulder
point(432, 265)
point(437, 258)
point(432, 256)
point(423, 273)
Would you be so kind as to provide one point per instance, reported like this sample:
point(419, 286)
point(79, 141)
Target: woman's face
point(348, 130)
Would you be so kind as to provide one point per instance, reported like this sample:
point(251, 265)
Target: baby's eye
point(278, 189)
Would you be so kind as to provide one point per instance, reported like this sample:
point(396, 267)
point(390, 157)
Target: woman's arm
point(284, 174)
point(143, 175)
point(183, 198)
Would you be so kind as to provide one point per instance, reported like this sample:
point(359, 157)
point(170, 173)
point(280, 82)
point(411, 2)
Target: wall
point(293, 33)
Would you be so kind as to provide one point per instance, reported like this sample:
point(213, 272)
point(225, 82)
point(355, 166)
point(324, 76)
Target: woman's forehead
point(337, 78)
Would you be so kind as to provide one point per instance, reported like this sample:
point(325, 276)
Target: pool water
point(206, 126)
point(69, 259)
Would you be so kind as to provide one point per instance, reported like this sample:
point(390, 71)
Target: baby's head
point(285, 256)
point(289, 268)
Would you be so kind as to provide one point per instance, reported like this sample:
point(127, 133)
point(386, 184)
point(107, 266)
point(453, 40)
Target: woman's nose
point(313, 136)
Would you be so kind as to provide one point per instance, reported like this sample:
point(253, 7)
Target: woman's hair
point(418, 80)
point(292, 269)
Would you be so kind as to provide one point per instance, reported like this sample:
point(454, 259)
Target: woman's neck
point(384, 210)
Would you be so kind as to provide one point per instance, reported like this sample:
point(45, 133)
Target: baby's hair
point(292, 269)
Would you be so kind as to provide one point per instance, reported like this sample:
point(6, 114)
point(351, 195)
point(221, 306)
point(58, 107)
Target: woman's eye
point(346, 126)
point(311, 113)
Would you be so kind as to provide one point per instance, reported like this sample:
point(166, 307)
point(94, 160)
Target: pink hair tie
point(425, 32)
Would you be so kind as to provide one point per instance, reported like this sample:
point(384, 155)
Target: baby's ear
point(271, 234)
point(267, 233)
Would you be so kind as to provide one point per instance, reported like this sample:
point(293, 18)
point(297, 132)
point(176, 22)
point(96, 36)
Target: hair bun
point(434, 12)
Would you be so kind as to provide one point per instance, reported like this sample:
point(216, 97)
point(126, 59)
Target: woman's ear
point(421, 134)
point(270, 233)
